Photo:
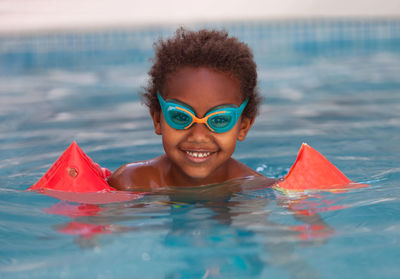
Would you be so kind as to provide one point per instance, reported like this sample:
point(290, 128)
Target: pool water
point(332, 84)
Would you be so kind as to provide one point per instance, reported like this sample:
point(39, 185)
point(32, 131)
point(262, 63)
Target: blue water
point(332, 84)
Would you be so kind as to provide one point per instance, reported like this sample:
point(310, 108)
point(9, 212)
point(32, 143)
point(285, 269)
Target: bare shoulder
point(240, 170)
point(136, 175)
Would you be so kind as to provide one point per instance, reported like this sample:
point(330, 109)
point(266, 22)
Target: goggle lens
point(220, 121)
point(180, 118)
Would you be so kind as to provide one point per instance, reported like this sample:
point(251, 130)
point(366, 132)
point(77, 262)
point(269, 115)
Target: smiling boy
point(202, 98)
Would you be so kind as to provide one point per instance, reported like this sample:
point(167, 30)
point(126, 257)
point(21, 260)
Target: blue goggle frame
point(181, 116)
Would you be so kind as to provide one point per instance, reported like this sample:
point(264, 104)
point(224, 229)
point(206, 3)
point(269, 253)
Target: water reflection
point(215, 231)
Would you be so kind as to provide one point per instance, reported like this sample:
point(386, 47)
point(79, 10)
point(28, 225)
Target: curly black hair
point(204, 48)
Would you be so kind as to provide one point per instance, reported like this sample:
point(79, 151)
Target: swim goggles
point(181, 116)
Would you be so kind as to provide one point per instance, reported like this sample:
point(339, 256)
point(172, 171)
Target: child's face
point(198, 155)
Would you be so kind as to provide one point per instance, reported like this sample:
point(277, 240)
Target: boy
point(202, 98)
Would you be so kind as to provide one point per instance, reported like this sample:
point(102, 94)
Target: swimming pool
point(331, 83)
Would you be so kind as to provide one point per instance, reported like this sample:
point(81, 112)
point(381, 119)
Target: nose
point(199, 133)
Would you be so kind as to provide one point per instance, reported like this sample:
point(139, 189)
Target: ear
point(245, 125)
point(155, 115)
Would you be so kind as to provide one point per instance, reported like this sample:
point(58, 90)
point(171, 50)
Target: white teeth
point(196, 154)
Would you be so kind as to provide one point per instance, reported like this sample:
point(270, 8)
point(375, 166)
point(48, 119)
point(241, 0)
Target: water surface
point(333, 85)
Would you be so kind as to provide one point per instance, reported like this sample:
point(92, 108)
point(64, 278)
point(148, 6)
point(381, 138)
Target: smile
point(197, 154)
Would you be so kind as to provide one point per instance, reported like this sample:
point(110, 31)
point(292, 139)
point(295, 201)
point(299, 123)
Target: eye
point(220, 121)
point(179, 117)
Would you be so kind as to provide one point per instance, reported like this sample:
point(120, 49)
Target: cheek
point(233, 135)
point(227, 141)
point(170, 136)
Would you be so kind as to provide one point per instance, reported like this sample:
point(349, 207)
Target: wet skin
point(195, 156)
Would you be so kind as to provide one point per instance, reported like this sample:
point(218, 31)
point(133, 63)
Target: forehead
point(202, 88)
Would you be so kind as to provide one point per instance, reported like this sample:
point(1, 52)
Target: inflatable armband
point(74, 172)
point(312, 171)
point(75, 177)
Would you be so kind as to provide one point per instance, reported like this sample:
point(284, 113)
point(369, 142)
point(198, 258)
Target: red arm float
point(74, 172)
point(75, 177)
point(312, 171)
